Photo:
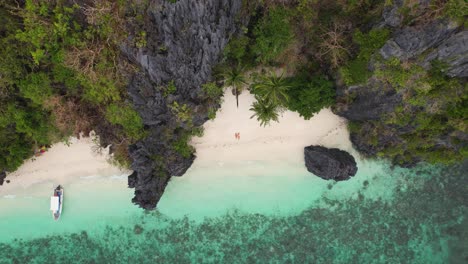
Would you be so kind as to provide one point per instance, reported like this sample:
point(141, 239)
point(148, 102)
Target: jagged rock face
point(184, 41)
point(440, 40)
point(446, 40)
point(454, 52)
point(412, 41)
point(391, 14)
point(370, 104)
point(330, 164)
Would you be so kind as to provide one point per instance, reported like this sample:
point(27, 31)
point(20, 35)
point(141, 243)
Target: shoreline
point(282, 141)
point(62, 163)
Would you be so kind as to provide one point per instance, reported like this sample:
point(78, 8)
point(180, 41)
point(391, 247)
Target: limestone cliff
point(184, 41)
point(411, 109)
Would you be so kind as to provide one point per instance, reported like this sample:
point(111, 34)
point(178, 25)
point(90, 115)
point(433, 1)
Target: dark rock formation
point(184, 41)
point(445, 40)
point(2, 177)
point(412, 41)
point(447, 43)
point(330, 164)
point(392, 15)
point(454, 52)
point(370, 103)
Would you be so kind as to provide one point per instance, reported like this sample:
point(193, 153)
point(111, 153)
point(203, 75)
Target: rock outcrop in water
point(330, 164)
point(184, 41)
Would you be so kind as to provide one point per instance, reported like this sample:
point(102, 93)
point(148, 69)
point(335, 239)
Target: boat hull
point(58, 193)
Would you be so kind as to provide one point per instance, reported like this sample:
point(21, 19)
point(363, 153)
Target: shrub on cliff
point(237, 49)
point(128, 118)
point(356, 71)
point(272, 35)
point(429, 121)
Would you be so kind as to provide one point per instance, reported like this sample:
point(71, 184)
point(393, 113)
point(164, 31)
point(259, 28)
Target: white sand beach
point(264, 171)
point(61, 164)
point(282, 141)
point(253, 174)
point(279, 143)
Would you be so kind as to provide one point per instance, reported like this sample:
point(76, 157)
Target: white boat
point(56, 202)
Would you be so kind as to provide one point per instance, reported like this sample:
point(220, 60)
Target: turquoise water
point(250, 213)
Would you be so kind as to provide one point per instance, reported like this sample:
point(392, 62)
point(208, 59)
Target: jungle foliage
point(61, 74)
point(335, 41)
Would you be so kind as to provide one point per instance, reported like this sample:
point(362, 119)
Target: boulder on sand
point(329, 164)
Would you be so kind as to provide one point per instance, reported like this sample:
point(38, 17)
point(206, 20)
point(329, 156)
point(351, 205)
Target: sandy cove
point(282, 141)
point(61, 164)
point(279, 142)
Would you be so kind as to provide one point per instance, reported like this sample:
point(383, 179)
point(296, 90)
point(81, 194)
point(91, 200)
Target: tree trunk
point(237, 97)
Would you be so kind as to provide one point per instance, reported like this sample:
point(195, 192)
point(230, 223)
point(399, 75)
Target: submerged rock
point(330, 164)
point(137, 229)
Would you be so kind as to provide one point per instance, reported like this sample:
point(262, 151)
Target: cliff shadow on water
point(184, 41)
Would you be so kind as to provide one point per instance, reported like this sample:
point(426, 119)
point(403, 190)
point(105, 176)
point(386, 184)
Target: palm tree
point(272, 88)
point(234, 77)
point(265, 111)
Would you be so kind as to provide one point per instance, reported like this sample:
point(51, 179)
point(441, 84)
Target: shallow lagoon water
point(253, 212)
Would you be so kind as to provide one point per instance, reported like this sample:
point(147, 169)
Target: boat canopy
point(54, 203)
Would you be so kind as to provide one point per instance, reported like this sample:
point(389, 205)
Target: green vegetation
point(265, 111)
point(211, 113)
point(271, 96)
point(308, 95)
point(182, 112)
point(182, 146)
point(61, 75)
point(271, 89)
point(297, 35)
point(140, 41)
point(303, 94)
point(356, 71)
point(212, 91)
point(236, 50)
point(128, 118)
point(434, 105)
point(414, 13)
point(326, 36)
point(35, 87)
point(234, 77)
point(272, 35)
point(170, 88)
point(456, 10)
